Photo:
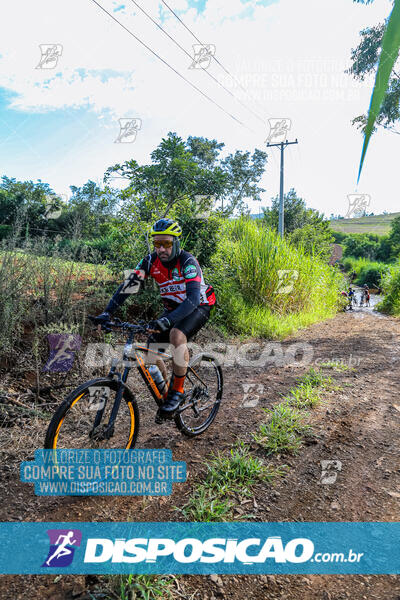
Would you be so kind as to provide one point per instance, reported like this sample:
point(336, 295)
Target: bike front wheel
point(203, 394)
point(81, 421)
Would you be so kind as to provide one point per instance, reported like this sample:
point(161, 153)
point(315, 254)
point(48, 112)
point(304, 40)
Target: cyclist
point(366, 294)
point(351, 297)
point(186, 297)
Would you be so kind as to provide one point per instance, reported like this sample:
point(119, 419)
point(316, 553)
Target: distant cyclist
point(365, 294)
point(351, 296)
point(186, 297)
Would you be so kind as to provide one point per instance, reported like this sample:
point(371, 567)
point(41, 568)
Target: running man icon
point(63, 347)
point(62, 547)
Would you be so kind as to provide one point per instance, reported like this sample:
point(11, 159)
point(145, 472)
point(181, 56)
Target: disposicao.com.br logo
point(200, 548)
point(213, 550)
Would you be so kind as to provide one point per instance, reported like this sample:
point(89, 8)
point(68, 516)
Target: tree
point(23, 205)
point(89, 210)
point(305, 227)
point(243, 173)
point(365, 59)
point(361, 246)
point(182, 170)
point(384, 105)
point(296, 213)
point(394, 237)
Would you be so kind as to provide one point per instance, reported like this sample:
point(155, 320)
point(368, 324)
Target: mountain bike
point(103, 412)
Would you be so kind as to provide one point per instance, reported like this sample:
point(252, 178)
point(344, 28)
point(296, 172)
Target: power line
point(169, 66)
point(216, 59)
point(191, 58)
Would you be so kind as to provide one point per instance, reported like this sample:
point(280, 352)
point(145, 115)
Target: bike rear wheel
point(203, 394)
point(81, 420)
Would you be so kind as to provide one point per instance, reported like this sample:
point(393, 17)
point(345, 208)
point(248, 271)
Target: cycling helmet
point(168, 227)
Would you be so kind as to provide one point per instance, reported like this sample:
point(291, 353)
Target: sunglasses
point(166, 244)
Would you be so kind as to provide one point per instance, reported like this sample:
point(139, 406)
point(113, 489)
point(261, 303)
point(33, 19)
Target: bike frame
point(127, 361)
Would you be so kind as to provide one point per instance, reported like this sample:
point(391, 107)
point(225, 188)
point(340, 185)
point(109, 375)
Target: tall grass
point(39, 290)
point(267, 287)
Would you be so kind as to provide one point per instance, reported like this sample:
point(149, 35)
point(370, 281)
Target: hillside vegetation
point(377, 224)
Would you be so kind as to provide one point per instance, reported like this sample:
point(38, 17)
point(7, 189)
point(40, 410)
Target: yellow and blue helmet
point(168, 227)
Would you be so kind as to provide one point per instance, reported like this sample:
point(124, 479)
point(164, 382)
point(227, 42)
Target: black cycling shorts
point(190, 325)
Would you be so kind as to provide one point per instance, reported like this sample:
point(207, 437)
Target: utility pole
point(282, 146)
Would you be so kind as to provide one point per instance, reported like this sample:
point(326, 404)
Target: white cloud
point(289, 55)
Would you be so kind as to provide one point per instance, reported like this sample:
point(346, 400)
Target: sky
point(60, 120)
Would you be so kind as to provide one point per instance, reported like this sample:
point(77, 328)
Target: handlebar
point(140, 327)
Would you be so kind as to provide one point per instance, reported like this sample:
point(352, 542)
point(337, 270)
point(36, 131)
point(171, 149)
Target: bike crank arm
point(196, 410)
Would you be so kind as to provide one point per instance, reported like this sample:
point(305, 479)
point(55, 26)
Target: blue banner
point(200, 548)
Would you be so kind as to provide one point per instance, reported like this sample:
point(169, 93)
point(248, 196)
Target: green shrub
point(391, 287)
point(365, 270)
point(200, 236)
point(5, 231)
point(371, 275)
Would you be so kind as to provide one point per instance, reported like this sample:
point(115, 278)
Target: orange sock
point(178, 383)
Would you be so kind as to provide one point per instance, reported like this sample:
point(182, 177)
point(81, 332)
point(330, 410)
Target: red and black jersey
point(176, 281)
point(182, 286)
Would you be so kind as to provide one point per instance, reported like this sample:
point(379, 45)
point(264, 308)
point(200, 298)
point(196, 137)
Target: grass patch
point(142, 587)
point(336, 366)
point(236, 473)
point(227, 476)
point(207, 505)
point(303, 396)
point(315, 379)
point(45, 290)
point(283, 431)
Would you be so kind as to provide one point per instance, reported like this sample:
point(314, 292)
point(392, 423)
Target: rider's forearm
point(188, 306)
point(120, 296)
point(117, 300)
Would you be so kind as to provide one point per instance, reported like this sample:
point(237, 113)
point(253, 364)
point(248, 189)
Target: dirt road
point(356, 426)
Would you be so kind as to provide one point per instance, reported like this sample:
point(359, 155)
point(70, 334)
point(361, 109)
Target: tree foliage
point(182, 170)
point(306, 227)
point(365, 60)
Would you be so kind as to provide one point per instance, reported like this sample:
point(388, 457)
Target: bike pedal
point(160, 418)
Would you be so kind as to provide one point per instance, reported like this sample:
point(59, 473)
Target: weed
point(283, 430)
point(315, 379)
point(206, 504)
point(336, 366)
point(227, 475)
point(143, 587)
point(303, 396)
